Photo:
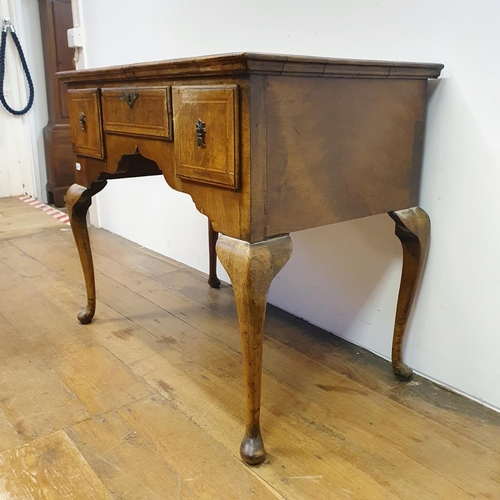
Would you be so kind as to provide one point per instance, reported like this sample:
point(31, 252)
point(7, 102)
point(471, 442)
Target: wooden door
point(56, 18)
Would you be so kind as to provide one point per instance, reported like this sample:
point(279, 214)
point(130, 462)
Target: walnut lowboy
point(265, 145)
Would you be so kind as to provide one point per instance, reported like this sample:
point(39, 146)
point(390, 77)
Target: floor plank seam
point(180, 318)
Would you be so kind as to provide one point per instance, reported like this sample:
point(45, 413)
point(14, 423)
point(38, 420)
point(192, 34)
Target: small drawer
point(86, 131)
point(206, 131)
point(137, 111)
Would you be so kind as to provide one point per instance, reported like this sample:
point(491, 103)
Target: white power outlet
point(75, 37)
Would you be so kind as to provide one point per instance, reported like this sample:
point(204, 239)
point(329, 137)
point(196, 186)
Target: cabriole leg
point(78, 201)
point(213, 235)
point(252, 268)
point(413, 229)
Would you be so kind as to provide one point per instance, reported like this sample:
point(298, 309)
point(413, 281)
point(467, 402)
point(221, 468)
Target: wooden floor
point(147, 401)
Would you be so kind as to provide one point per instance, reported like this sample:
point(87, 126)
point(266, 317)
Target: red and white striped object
point(57, 214)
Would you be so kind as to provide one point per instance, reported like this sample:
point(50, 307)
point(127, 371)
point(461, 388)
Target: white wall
point(30, 35)
point(345, 278)
point(22, 159)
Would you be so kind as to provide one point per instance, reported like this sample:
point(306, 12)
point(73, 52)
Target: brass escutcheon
point(129, 98)
point(82, 120)
point(200, 133)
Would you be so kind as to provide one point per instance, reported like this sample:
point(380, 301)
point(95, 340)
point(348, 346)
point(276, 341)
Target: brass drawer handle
point(82, 121)
point(200, 133)
point(129, 98)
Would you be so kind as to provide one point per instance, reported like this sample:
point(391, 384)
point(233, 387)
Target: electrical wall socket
point(75, 37)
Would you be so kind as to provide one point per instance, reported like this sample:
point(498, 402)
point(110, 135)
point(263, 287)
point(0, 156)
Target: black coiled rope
point(8, 27)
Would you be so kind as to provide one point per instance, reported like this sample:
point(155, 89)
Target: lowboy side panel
point(339, 149)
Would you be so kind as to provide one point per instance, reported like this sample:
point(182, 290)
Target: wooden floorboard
point(147, 401)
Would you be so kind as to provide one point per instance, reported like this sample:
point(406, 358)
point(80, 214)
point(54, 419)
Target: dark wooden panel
point(63, 20)
point(55, 19)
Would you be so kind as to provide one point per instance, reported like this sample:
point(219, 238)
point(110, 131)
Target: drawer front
point(86, 131)
point(137, 111)
point(206, 130)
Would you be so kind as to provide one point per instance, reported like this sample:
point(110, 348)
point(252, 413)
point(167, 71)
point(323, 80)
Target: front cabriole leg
point(252, 267)
point(413, 228)
point(78, 201)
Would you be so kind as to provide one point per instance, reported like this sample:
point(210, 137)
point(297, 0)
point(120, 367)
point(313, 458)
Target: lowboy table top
point(260, 63)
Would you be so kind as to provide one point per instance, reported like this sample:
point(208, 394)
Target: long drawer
point(137, 111)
